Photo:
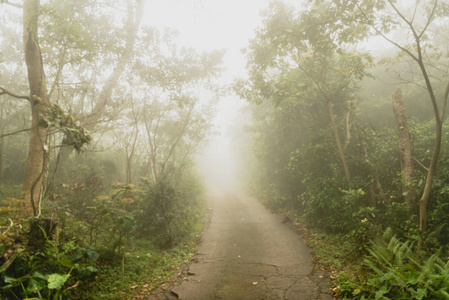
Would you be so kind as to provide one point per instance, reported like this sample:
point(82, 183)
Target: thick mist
point(223, 161)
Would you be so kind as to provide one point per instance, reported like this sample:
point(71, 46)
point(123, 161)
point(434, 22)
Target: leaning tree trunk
point(337, 140)
point(38, 100)
point(2, 145)
point(405, 152)
point(134, 19)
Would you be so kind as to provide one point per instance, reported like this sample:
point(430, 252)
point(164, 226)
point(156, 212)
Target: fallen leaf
point(255, 282)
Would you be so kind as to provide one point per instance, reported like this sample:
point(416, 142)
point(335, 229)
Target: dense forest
point(101, 119)
point(348, 100)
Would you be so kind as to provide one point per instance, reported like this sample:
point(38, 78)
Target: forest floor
point(247, 253)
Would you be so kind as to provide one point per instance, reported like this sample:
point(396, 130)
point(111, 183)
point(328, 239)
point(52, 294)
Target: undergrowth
point(390, 268)
point(143, 269)
point(99, 250)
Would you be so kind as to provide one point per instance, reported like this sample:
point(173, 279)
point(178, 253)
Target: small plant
point(399, 272)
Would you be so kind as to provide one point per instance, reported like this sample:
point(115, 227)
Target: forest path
point(248, 253)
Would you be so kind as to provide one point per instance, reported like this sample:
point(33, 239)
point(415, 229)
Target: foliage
point(114, 92)
point(101, 240)
point(74, 135)
point(169, 213)
point(315, 105)
point(44, 273)
point(144, 268)
point(400, 273)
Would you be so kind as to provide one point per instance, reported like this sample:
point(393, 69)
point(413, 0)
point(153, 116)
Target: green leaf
point(381, 292)
point(56, 281)
point(8, 279)
point(93, 254)
point(40, 276)
point(66, 263)
point(35, 286)
point(76, 256)
point(421, 293)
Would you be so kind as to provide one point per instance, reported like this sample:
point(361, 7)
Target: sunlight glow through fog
point(207, 25)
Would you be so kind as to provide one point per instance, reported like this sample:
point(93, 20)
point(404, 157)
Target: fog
point(114, 114)
point(209, 25)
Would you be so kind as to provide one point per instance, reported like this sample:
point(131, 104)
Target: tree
point(43, 113)
point(347, 22)
point(405, 152)
point(383, 17)
point(177, 92)
point(38, 101)
point(292, 60)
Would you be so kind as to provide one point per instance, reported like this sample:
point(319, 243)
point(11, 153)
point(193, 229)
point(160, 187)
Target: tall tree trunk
point(128, 167)
point(405, 152)
point(439, 119)
point(339, 147)
point(430, 175)
point(2, 145)
point(38, 100)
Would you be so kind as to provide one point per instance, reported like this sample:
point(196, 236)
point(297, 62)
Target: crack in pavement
point(248, 253)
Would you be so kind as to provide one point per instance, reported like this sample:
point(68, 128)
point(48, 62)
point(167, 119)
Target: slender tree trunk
point(128, 167)
point(430, 175)
point(405, 152)
point(339, 147)
point(38, 100)
point(2, 145)
point(439, 119)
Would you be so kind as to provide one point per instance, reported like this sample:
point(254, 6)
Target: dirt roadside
point(247, 253)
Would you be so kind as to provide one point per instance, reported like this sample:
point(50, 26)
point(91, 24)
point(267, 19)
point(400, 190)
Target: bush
point(168, 212)
point(399, 272)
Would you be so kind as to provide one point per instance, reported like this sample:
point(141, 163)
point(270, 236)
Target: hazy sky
point(208, 25)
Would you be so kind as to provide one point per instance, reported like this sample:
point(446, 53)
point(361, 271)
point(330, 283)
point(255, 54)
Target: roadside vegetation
point(352, 142)
point(101, 117)
point(106, 202)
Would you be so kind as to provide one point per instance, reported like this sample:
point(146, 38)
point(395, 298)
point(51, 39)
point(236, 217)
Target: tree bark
point(338, 141)
point(405, 152)
point(38, 100)
point(2, 144)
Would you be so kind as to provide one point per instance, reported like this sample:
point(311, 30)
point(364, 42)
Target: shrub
point(168, 212)
point(399, 272)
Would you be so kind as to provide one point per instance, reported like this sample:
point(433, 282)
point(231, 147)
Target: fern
point(400, 273)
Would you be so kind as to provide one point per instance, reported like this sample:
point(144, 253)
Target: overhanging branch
point(4, 91)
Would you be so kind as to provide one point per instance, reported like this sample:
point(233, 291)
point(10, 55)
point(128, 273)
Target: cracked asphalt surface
point(248, 253)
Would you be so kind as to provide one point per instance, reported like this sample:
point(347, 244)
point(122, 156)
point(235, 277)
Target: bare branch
point(414, 11)
point(368, 21)
point(443, 106)
point(15, 132)
point(429, 20)
point(12, 4)
point(4, 91)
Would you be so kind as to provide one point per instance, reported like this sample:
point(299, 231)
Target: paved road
point(248, 253)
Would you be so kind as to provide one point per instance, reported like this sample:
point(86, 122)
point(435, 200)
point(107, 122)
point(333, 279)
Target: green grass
point(144, 268)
